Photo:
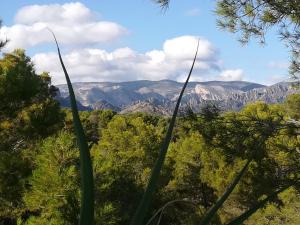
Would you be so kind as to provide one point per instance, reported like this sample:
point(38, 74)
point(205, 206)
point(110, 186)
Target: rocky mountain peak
point(160, 96)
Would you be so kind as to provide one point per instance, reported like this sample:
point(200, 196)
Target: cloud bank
point(77, 26)
point(73, 23)
point(171, 62)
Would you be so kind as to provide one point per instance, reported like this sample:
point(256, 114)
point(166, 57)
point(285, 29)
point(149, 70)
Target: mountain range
point(160, 97)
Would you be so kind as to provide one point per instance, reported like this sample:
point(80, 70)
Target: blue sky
point(135, 39)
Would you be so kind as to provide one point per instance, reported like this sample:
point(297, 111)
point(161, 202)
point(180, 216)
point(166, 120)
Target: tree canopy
point(28, 113)
point(203, 158)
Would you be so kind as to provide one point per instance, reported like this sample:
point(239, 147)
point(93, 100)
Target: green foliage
point(254, 133)
point(288, 213)
point(122, 162)
point(242, 218)
point(121, 172)
point(28, 113)
point(133, 136)
point(54, 191)
point(207, 218)
point(185, 161)
point(18, 82)
point(13, 171)
point(292, 104)
point(198, 168)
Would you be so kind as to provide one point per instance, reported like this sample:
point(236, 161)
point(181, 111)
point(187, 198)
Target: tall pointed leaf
point(146, 200)
point(212, 211)
point(86, 172)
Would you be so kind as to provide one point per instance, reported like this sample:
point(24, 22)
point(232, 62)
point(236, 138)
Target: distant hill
point(160, 96)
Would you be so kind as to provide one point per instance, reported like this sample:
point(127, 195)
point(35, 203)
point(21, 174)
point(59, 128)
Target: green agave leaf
point(212, 211)
point(239, 220)
point(86, 172)
point(146, 200)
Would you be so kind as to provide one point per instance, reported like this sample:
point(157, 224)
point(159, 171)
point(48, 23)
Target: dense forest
point(39, 158)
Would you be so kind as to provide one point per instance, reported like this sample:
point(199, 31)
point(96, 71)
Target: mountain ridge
point(159, 97)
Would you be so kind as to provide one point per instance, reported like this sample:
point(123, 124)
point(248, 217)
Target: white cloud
point(73, 12)
point(73, 23)
point(172, 62)
point(278, 65)
point(229, 75)
point(193, 12)
point(182, 47)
